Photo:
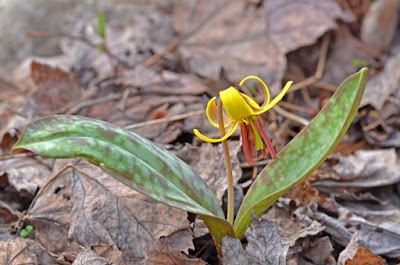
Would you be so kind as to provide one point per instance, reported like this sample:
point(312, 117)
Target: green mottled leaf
point(133, 160)
point(305, 152)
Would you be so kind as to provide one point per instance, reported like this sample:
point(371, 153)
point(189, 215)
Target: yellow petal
point(212, 114)
point(229, 133)
point(235, 105)
point(276, 99)
point(266, 91)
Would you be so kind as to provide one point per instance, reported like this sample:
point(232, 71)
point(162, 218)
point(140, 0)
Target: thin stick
point(291, 115)
point(320, 67)
point(164, 120)
point(170, 47)
point(231, 200)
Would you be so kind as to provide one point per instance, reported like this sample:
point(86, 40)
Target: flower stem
point(231, 200)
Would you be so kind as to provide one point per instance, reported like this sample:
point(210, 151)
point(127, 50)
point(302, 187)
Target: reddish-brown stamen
point(245, 144)
point(252, 140)
point(265, 138)
point(264, 152)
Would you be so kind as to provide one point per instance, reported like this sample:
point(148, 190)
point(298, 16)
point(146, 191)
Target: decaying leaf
point(340, 62)
point(55, 88)
point(381, 239)
point(366, 169)
point(88, 256)
point(320, 251)
point(17, 252)
point(350, 250)
point(161, 253)
point(264, 246)
point(365, 257)
point(115, 256)
point(119, 217)
point(379, 24)
point(238, 39)
point(383, 85)
point(27, 173)
point(290, 230)
point(50, 221)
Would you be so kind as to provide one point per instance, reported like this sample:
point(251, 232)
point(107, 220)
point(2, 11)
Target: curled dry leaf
point(366, 169)
point(350, 250)
point(106, 211)
point(27, 173)
point(290, 230)
point(382, 239)
point(241, 39)
point(88, 256)
point(264, 246)
point(383, 85)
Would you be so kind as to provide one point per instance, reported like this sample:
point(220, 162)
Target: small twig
point(291, 116)
point(320, 67)
point(92, 102)
point(294, 107)
point(258, 163)
point(170, 47)
point(20, 155)
point(164, 120)
point(326, 86)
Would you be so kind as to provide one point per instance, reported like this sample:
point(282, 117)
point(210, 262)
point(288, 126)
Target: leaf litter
point(348, 211)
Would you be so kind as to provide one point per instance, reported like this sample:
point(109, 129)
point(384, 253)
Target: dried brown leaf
point(161, 253)
point(366, 169)
point(17, 252)
point(27, 173)
point(339, 64)
point(383, 85)
point(320, 251)
point(50, 217)
point(379, 24)
point(89, 257)
point(243, 39)
point(264, 246)
point(107, 212)
point(365, 257)
point(381, 238)
point(290, 230)
point(350, 250)
point(55, 88)
point(116, 257)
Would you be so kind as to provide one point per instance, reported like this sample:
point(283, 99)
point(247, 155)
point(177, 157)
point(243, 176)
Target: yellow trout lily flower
point(242, 109)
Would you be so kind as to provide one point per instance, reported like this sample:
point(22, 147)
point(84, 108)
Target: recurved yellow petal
point(212, 114)
point(276, 99)
point(229, 133)
point(266, 91)
point(235, 105)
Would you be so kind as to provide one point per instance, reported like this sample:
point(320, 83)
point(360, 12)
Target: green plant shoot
point(102, 30)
